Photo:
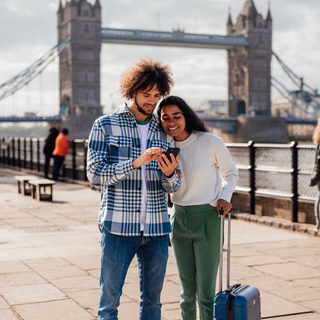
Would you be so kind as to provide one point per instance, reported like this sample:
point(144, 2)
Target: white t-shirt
point(143, 132)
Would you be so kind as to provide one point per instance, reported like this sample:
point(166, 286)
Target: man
point(124, 158)
point(60, 152)
point(49, 147)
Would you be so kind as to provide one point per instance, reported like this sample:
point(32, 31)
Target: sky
point(29, 30)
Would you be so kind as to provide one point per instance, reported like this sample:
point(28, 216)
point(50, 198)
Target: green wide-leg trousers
point(195, 240)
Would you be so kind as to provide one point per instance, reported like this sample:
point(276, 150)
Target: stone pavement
point(49, 261)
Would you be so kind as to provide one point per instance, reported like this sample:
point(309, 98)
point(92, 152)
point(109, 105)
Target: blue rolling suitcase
point(237, 302)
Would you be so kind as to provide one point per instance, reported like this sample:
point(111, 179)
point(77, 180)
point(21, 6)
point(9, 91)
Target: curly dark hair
point(146, 73)
point(193, 122)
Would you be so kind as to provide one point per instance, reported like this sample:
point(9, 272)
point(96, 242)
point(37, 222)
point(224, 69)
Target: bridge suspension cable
point(20, 80)
point(307, 97)
point(276, 83)
point(298, 81)
point(296, 96)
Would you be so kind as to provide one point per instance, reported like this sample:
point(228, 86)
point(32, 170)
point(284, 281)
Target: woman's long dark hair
point(193, 122)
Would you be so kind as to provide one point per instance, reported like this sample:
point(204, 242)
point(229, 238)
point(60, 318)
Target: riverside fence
point(27, 154)
point(279, 171)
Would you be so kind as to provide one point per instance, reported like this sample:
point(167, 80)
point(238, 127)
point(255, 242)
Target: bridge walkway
point(50, 252)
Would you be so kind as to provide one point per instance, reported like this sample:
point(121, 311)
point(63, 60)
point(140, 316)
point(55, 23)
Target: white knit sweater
point(208, 173)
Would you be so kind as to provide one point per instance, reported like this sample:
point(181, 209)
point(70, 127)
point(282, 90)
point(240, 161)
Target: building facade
point(249, 67)
point(80, 61)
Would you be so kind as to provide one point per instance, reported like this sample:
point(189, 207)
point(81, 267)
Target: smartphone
point(175, 152)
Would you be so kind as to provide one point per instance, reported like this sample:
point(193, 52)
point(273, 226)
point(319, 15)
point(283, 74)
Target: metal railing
point(27, 153)
point(275, 170)
point(279, 171)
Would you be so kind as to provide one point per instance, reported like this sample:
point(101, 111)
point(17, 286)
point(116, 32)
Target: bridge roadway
point(50, 252)
point(176, 38)
point(31, 119)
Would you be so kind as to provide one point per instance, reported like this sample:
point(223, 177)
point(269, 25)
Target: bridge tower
point(80, 65)
point(249, 67)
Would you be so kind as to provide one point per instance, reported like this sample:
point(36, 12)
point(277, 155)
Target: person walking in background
point(49, 147)
point(60, 151)
point(122, 158)
point(208, 180)
point(315, 180)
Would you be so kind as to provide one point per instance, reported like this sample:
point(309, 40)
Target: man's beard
point(140, 109)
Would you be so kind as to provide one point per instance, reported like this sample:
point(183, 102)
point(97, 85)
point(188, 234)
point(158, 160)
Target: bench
point(38, 189)
point(24, 185)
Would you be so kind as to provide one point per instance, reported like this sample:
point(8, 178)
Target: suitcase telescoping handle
point(221, 249)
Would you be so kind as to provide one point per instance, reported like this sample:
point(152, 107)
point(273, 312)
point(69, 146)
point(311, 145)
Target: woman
point(208, 181)
point(315, 180)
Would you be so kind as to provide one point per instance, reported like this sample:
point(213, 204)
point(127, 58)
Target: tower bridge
point(248, 43)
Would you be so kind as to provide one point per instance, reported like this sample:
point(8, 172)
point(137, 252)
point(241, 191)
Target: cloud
point(29, 30)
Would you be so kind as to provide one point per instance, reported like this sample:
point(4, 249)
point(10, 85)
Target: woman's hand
point(225, 205)
point(166, 166)
point(147, 156)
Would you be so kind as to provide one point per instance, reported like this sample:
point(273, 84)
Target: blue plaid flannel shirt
point(113, 143)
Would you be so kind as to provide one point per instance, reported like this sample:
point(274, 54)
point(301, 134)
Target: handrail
point(26, 154)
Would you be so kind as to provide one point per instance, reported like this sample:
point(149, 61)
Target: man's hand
point(147, 156)
point(166, 166)
point(179, 173)
point(225, 205)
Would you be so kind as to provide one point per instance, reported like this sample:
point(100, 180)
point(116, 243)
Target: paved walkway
point(49, 261)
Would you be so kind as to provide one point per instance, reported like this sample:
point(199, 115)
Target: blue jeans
point(117, 253)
